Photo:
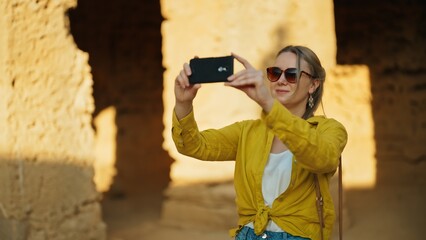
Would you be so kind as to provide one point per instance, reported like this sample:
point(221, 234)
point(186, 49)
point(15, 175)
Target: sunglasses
point(290, 74)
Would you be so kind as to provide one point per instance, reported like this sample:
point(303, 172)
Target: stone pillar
point(46, 140)
point(123, 39)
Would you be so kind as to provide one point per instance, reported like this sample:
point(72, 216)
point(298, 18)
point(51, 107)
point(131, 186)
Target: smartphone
point(211, 69)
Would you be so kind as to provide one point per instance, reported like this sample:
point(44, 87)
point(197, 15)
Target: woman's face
point(294, 96)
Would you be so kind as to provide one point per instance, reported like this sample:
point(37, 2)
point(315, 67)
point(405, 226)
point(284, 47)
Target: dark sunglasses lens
point(273, 73)
point(291, 75)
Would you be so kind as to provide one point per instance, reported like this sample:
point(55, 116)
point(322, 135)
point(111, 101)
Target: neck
point(297, 110)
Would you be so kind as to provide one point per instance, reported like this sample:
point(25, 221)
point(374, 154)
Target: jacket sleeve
point(316, 145)
point(211, 145)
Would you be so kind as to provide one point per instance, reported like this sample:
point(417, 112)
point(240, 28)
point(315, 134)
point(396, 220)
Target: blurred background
point(87, 98)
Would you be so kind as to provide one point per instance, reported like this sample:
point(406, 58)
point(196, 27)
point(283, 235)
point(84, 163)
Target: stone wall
point(46, 140)
point(375, 87)
point(123, 39)
point(124, 43)
point(389, 37)
point(217, 28)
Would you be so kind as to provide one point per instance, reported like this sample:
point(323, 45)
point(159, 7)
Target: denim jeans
point(247, 233)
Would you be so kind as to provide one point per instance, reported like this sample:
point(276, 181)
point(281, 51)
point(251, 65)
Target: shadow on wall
point(280, 43)
point(48, 199)
point(397, 63)
point(123, 39)
point(391, 44)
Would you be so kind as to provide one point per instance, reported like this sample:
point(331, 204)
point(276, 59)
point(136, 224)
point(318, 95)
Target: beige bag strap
point(320, 202)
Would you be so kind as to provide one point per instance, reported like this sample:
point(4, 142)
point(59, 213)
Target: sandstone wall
point(46, 140)
point(388, 37)
point(375, 87)
point(392, 45)
point(123, 39)
point(255, 30)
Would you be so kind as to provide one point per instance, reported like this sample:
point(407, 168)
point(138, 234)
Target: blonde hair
point(316, 70)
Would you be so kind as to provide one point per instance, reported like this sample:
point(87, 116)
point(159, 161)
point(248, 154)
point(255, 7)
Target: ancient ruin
point(87, 95)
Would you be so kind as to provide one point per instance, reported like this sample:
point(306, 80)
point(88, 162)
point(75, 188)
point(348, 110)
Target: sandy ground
point(386, 213)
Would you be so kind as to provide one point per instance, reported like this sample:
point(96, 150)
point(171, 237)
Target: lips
point(281, 91)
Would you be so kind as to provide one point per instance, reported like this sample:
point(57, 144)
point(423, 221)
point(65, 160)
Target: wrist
point(267, 105)
point(182, 109)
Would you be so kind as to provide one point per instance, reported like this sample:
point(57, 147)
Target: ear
point(314, 85)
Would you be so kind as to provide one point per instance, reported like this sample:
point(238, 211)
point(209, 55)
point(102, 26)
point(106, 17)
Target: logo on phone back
point(222, 69)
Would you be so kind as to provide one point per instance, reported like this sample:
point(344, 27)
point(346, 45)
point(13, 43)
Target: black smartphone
point(211, 69)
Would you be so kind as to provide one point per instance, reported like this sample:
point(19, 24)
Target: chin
point(282, 99)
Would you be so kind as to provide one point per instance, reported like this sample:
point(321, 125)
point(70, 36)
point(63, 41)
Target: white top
point(275, 181)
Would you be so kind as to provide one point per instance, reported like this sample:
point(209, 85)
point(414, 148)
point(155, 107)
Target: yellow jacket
point(316, 144)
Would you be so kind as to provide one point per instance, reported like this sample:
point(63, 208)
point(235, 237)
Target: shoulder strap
point(320, 202)
point(340, 200)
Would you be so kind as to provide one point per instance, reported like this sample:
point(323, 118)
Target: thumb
point(243, 61)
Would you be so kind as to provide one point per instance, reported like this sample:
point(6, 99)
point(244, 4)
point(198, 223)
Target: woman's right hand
point(184, 92)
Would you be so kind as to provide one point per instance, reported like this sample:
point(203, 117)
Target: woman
point(277, 156)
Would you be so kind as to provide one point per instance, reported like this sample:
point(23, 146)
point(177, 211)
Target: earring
point(310, 101)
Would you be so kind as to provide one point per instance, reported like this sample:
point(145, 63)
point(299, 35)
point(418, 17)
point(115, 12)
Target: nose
point(282, 80)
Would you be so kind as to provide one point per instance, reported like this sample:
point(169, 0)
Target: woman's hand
point(184, 92)
point(251, 82)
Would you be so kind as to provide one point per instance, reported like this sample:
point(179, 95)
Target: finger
point(237, 75)
point(196, 86)
point(242, 60)
point(243, 81)
point(248, 73)
point(183, 78)
point(187, 69)
point(179, 81)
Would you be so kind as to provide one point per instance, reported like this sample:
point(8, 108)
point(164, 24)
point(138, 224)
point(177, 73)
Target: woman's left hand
point(250, 81)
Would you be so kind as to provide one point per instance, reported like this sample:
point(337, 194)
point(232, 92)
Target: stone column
point(46, 138)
